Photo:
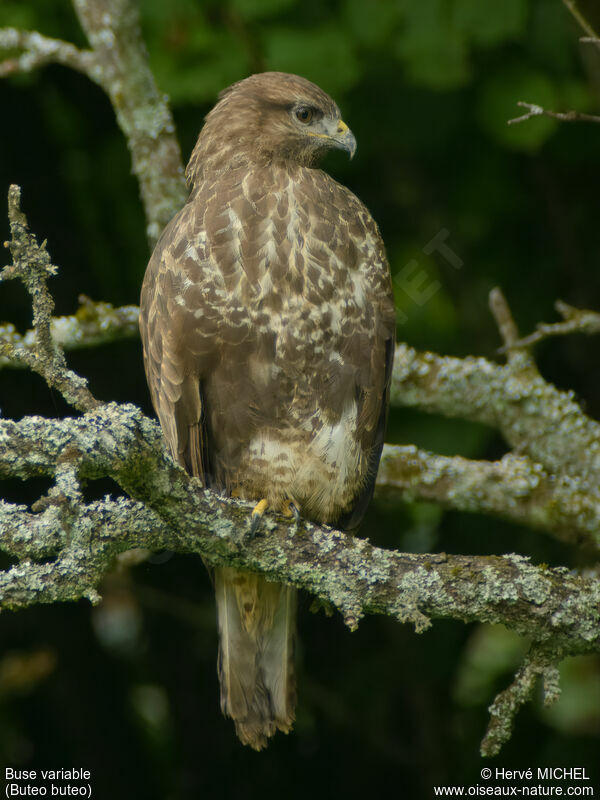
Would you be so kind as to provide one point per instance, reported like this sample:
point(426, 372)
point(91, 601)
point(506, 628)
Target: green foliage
point(324, 54)
point(370, 24)
point(18, 15)
point(489, 24)
point(192, 58)
point(260, 9)
point(492, 653)
point(434, 53)
point(579, 707)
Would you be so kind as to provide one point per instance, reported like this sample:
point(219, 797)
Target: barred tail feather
point(257, 625)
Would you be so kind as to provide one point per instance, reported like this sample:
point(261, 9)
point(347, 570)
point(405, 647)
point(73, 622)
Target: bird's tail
point(257, 627)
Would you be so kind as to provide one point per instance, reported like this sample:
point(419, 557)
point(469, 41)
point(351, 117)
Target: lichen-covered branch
point(540, 662)
point(514, 488)
point(32, 265)
point(118, 62)
point(36, 50)
point(168, 509)
point(575, 320)
point(535, 417)
point(92, 324)
point(113, 30)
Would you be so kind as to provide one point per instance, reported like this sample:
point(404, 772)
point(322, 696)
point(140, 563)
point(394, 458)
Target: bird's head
point(274, 115)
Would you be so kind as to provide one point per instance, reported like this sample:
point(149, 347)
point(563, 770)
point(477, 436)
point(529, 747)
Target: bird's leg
point(257, 513)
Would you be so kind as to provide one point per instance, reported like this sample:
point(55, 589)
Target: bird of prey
point(268, 327)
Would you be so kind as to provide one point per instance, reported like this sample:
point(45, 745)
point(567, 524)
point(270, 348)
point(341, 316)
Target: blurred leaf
point(209, 63)
point(575, 95)
point(161, 14)
point(51, 17)
point(258, 9)
point(193, 54)
point(21, 672)
point(498, 104)
point(491, 652)
point(18, 15)
point(433, 53)
point(552, 37)
point(151, 704)
point(322, 54)
point(371, 23)
point(489, 23)
point(578, 708)
point(422, 532)
point(421, 301)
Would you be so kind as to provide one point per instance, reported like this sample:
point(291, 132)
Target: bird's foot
point(290, 509)
point(257, 514)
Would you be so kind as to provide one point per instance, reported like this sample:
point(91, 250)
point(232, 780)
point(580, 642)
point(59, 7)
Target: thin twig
point(518, 357)
point(573, 7)
point(539, 663)
point(40, 50)
point(563, 116)
point(514, 488)
point(504, 319)
point(32, 265)
point(575, 321)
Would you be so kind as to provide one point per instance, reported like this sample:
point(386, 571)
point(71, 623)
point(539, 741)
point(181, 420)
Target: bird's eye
point(304, 114)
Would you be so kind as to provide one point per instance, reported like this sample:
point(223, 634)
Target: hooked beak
point(344, 138)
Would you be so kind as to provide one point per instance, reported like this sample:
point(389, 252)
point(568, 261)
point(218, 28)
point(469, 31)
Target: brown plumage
point(267, 323)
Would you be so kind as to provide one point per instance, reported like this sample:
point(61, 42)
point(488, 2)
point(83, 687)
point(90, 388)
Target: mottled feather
point(268, 325)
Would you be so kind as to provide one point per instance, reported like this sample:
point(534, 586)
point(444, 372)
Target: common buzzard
point(268, 325)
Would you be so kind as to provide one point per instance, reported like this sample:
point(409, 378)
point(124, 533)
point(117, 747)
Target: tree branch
point(32, 265)
point(575, 320)
point(534, 417)
point(170, 510)
point(92, 324)
point(540, 662)
point(515, 488)
point(143, 114)
point(40, 50)
point(578, 14)
point(563, 116)
point(118, 63)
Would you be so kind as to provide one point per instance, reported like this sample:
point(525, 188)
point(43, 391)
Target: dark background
point(129, 689)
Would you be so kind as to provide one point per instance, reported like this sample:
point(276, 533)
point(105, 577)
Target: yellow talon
point(260, 508)
point(289, 509)
point(257, 512)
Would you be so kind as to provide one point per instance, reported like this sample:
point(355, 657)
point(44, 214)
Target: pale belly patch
point(320, 473)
